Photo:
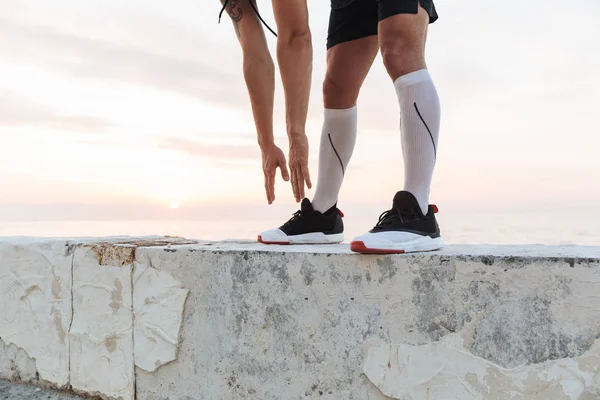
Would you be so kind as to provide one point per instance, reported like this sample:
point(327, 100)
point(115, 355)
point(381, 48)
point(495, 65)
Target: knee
point(401, 57)
point(336, 95)
point(296, 38)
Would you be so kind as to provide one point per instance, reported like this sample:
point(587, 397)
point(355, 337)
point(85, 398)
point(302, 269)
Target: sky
point(120, 109)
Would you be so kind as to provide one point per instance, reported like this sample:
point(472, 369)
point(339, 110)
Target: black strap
point(223, 9)
point(255, 10)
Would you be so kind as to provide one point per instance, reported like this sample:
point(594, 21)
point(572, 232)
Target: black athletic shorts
point(359, 18)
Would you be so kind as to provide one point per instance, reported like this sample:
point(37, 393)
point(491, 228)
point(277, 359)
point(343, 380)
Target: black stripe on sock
point(336, 153)
point(430, 135)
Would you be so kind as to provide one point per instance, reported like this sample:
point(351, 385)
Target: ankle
point(322, 206)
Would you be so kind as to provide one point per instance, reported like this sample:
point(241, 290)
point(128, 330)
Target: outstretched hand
point(273, 158)
point(298, 160)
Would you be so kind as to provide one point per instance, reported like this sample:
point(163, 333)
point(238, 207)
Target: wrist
point(296, 134)
point(265, 143)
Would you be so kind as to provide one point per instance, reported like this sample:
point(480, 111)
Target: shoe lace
point(295, 216)
point(387, 218)
point(255, 10)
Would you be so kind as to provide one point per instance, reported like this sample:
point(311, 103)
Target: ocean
point(551, 227)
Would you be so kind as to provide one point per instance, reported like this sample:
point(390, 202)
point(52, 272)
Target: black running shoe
point(308, 226)
point(402, 229)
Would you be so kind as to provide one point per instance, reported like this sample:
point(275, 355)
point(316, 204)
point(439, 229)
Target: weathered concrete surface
point(16, 365)
point(13, 391)
point(35, 311)
point(300, 322)
point(445, 369)
point(67, 315)
point(102, 330)
point(246, 321)
point(158, 301)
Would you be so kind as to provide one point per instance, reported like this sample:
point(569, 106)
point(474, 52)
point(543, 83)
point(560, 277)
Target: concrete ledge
point(14, 391)
point(157, 318)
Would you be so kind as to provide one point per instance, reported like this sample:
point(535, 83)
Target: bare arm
point(259, 71)
point(294, 55)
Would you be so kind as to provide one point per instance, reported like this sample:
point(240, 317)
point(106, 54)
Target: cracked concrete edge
point(103, 250)
point(22, 389)
point(107, 251)
point(17, 391)
point(169, 301)
point(278, 300)
point(17, 366)
point(568, 253)
point(478, 252)
point(37, 305)
point(101, 350)
point(405, 371)
point(133, 321)
point(24, 379)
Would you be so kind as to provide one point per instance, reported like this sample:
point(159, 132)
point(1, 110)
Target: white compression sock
point(337, 144)
point(419, 127)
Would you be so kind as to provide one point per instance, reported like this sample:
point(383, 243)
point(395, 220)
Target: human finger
point(284, 171)
point(306, 176)
point(295, 182)
point(270, 185)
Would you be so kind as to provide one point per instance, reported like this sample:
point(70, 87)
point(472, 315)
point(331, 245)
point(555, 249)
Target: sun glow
point(174, 206)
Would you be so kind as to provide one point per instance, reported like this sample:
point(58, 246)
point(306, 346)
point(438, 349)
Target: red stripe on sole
point(260, 240)
point(360, 247)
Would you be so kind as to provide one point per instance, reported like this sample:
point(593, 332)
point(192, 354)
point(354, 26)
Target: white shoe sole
point(307, 238)
point(373, 246)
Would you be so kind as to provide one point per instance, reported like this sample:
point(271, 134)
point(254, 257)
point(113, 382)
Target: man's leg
point(348, 64)
point(352, 46)
point(402, 38)
point(411, 224)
